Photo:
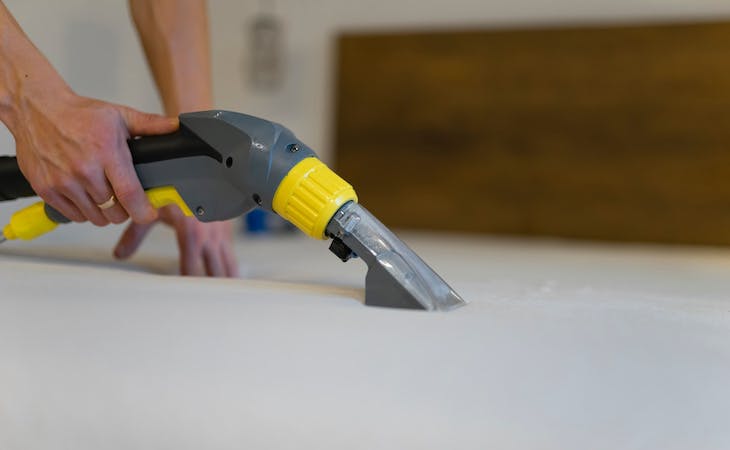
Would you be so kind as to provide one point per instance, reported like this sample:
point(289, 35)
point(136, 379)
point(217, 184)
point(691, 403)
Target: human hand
point(205, 248)
point(73, 151)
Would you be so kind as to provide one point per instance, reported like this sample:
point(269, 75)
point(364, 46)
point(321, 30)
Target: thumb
point(130, 240)
point(143, 124)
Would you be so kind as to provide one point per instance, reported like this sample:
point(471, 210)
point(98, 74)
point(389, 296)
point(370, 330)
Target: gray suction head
point(396, 276)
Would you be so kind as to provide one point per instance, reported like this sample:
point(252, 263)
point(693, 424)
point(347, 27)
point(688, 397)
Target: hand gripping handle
point(146, 149)
point(39, 218)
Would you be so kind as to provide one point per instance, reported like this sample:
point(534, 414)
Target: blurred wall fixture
point(265, 36)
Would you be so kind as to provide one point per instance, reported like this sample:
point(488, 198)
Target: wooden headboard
point(618, 133)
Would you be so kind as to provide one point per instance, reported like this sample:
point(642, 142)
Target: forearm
point(27, 79)
point(174, 34)
point(71, 149)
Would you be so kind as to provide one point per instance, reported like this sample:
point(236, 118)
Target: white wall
point(304, 104)
point(93, 45)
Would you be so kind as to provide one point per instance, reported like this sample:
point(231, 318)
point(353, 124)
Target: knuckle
point(98, 221)
point(118, 218)
point(85, 170)
point(63, 184)
point(126, 194)
point(45, 191)
point(144, 219)
point(74, 215)
point(100, 110)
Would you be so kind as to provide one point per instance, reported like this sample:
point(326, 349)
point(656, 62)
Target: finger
point(116, 214)
point(190, 247)
point(214, 265)
point(131, 239)
point(77, 194)
point(127, 188)
point(101, 192)
point(141, 124)
point(63, 205)
point(121, 174)
point(229, 261)
point(59, 202)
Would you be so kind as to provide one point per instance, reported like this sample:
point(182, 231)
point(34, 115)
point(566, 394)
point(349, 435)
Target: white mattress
point(563, 346)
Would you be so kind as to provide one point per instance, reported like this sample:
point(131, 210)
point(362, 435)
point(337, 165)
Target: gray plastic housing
point(253, 156)
point(224, 164)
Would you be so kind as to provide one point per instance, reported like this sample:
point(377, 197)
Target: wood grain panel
point(611, 133)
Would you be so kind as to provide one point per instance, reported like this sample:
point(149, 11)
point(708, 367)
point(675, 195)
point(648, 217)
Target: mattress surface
point(562, 346)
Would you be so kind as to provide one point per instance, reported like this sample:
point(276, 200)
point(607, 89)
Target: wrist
point(27, 89)
point(187, 103)
point(26, 76)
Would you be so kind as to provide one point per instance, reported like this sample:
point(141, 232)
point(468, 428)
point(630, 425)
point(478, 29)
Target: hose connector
point(310, 194)
point(29, 223)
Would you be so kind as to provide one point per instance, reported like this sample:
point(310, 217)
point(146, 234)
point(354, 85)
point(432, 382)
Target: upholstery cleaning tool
point(222, 164)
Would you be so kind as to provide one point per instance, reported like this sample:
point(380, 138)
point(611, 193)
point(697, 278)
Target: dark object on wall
point(618, 133)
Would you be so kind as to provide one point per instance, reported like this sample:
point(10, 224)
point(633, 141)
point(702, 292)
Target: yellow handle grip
point(165, 196)
point(32, 221)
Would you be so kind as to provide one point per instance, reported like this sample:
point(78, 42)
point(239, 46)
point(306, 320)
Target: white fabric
point(564, 346)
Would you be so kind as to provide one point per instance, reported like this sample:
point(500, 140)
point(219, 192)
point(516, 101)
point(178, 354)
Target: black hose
point(12, 182)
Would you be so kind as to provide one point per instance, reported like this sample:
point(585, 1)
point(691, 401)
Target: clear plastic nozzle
point(397, 277)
